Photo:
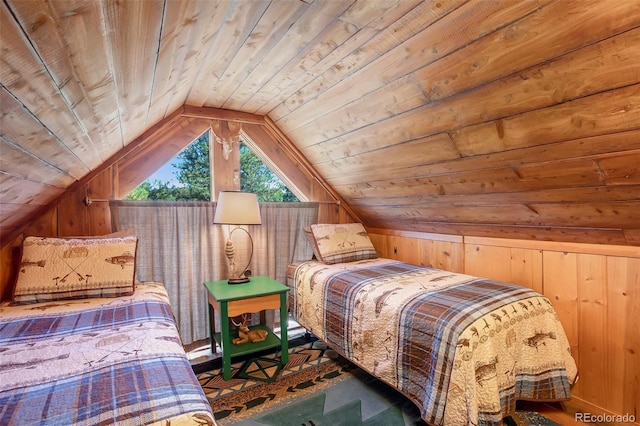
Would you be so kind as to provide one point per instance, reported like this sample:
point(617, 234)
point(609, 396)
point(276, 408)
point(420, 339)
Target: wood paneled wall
point(433, 250)
point(595, 290)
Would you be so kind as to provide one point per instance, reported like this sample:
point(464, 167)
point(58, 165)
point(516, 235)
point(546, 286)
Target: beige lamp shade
point(237, 208)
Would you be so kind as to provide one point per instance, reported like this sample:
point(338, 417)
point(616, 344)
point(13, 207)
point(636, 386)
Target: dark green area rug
point(316, 388)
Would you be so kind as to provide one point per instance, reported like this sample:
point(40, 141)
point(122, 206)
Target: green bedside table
point(257, 295)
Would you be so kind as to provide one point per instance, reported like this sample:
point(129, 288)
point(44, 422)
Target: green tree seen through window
point(194, 178)
point(256, 177)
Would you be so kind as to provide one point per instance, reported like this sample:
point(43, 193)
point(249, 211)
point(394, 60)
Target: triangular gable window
point(187, 177)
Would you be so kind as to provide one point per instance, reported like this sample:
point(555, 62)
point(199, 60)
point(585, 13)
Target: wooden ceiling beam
point(221, 114)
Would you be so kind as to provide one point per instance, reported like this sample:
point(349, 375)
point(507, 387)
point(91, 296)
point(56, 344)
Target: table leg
point(226, 341)
point(284, 338)
point(212, 327)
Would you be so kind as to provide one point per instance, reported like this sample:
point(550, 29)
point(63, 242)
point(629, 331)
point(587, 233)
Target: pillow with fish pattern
point(342, 242)
point(75, 268)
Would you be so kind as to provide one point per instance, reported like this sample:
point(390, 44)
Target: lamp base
point(241, 280)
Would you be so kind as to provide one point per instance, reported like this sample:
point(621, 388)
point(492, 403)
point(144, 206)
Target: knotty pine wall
point(595, 290)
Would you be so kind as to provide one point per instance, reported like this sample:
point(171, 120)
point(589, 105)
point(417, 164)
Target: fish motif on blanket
point(539, 339)
point(31, 363)
point(381, 300)
point(126, 259)
point(113, 340)
point(44, 307)
point(173, 339)
point(486, 371)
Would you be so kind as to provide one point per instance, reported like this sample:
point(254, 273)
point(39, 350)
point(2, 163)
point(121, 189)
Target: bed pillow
point(75, 268)
point(343, 242)
point(312, 241)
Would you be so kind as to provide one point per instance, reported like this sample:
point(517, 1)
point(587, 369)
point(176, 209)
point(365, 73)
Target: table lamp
point(237, 208)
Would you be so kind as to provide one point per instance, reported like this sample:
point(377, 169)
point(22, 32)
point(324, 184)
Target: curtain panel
point(179, 245)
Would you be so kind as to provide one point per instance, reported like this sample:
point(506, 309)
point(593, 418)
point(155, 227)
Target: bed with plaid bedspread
point(97, 361)
point(462, 348)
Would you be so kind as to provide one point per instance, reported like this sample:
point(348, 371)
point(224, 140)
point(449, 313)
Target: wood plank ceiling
point(501, 118)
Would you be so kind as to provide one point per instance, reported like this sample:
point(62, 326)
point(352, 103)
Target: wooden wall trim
point(221, 114)
point(601, 249)
point(420, 235)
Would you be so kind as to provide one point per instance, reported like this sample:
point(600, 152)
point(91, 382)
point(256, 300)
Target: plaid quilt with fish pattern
point(462, 348)
point(97, 361)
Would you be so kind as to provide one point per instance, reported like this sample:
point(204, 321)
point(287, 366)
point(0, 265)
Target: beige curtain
point(180, 246)
point(280, 240)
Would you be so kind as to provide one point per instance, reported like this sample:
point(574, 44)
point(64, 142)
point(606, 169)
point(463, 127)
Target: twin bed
point(463, 349)
point(82, 343)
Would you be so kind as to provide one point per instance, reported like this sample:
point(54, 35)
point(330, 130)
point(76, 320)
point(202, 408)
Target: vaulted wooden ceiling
point(502, 118)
